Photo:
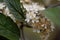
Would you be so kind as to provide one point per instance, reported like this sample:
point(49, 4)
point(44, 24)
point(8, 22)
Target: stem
point(54, 5)
point(21, 32)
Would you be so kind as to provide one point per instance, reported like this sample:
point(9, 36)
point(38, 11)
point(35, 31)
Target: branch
point(21, 31)
point(54, 5)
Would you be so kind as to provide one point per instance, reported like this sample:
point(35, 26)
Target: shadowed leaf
point(8, 28)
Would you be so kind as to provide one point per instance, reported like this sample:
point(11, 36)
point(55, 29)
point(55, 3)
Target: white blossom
point(30, 16)
point(31, 10)
point(2, 5)
point(52, 26)
point(38, 31)
point(43, 25)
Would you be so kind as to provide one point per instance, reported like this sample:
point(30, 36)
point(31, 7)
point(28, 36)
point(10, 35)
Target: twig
point(21, 31)
point(54, 5)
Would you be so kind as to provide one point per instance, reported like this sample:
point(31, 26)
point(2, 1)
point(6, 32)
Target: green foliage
point(54, 14)
point(8, 28)
point(16, 9)
point(1, 0)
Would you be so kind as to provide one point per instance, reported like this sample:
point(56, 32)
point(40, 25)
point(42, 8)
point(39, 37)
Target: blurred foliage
point(8, 28)
point(1, 0)
point(53, 14)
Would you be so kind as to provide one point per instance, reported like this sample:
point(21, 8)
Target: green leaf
point(54, 15)
point(16, 8)
point(8, 28)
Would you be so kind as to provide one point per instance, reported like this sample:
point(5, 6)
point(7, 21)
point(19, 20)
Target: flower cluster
point(4, 9)
point(34, 15)
point(32, 12)
point(37, 20)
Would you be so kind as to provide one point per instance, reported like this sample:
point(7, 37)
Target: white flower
point(21, 1)
point(31, 10)
point(30, 16)
point(27, 18)
point(38, 31)
point(35, 20)
point(41, 8)
point(37, 7)
point(26, 7)
point(43, 25)
point(2, 5)
point(52, 26)
point(6, 11)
